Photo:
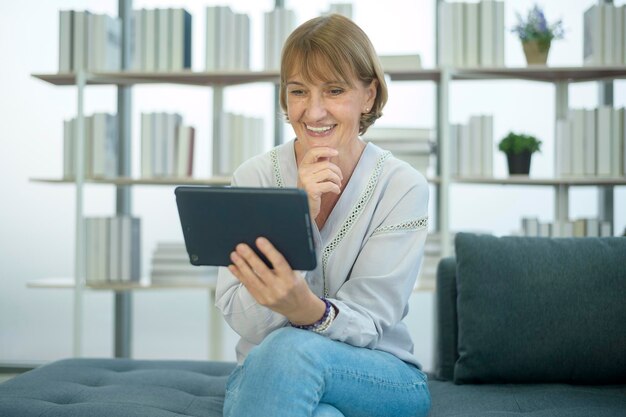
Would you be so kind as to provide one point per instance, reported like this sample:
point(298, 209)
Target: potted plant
point(519, 148)
point(537, 35)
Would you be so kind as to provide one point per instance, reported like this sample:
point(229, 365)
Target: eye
point(335, 91)
point(296, 92)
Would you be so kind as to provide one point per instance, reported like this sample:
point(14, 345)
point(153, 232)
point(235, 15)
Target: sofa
point(524, 327)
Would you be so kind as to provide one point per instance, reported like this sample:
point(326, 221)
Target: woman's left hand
point(280, 289)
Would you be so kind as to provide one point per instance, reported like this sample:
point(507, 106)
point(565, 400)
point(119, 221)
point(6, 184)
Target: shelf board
point(531, 73)
point(526, 180)
point(144, 284)
point(181, 77)
point(142, 181)
point(542, 73)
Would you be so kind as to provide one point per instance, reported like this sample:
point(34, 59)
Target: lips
point(319, 130)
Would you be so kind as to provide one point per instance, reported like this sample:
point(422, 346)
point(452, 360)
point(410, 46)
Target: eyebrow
point(324, 84)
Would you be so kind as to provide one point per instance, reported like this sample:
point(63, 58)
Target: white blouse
point(369, 253)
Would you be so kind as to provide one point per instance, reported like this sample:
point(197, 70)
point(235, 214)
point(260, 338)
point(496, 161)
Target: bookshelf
point(560, 77)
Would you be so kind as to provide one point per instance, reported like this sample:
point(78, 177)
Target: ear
point(372, 90)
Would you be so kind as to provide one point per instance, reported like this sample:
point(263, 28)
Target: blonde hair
point(333, 47)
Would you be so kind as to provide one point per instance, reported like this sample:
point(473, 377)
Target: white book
point(592, 228)
point(111, 147)
point(487, 146)
point(487, 33)
point(137, 49)
point(593, 36)
point(172, 121)
point(454, 149)
point(65, 40)
point(130, 249)
point(236, 141)
point(111, 60)
point(545, 229)
point(607, 34)
point(604, 125)
point(406, 62)
point(102, 249)
point(562, 154)
point(115, 235)
point(618, 35)
point(150, 40)
point(623, 139)
point(530, 226)
point(499, 31)
point(622, 12)
point(81, 36)
point(224, 146)
point(471, 35)
point(617, 142)
point(476, 148)
point(68, 149)
point(180, 46)
point(590, 142)
point(567, 229)
point(242, 41)
point(163, 40)
point(445, 36)
point(185, 151)
point(465, 161)
point(606, 229)
point(95, 41)
point(90, 249)
point(344, 9)
point(577, 117)
point(458, 22)
point(147, 145)
point(381, 134)
point(98, 154)
point(224, 36)
point(87, 146)
point(211, 39)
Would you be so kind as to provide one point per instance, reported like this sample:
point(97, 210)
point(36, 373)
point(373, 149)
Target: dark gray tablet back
point(215, 219)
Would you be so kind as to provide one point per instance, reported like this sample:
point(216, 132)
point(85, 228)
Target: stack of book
point(279, 23)
point(471, 147)
point(471, 34)
point(88, 41)
point(603, 42)
point(160, 40)
point(344, 9)
point(242, 138)
point(100, 147)
point(113, 249)
point(407, 62)
point(167, 146)
point(583, 227)
point(591, 143)
point(170, 264)
point(227, 39)
point(411, 144)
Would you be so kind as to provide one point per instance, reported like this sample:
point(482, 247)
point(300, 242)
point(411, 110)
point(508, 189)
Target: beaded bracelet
point(323, 323)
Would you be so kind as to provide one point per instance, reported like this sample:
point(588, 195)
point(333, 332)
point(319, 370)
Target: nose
point(316, 108)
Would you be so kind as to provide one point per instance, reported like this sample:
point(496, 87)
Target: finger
point(255, 263)
point(316, 190)
point(324, 176)
point(247, 275)
point(281, 266)
point(314, 154)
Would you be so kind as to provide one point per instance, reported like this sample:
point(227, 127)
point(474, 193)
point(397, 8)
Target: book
point(617, 142)
point(608, 20)
point(66, 26)
point(407, 62)
point(185, 151)
point(487, 33)
point(471, 36)
point(445, 35)
point(180, 39)
point(604, 124)
point(137, 46)
point(487, 146)
point(577, 118)
point(499, 34)
point(150, 40)
point(590, 143)
point(163, 35)
point(593, 36)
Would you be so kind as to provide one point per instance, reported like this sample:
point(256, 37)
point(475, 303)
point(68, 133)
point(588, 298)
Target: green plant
point(536, 28)
point(516, 143)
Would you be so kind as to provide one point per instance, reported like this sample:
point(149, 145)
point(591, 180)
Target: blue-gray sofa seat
point(525, 327)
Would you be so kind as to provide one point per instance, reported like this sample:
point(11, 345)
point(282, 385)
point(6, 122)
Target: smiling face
point(327, 113)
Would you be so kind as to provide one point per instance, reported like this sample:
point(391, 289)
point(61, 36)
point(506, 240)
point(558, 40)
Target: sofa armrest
point(446, 326)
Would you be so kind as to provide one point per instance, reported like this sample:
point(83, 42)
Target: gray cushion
point(541, 310)
point(533, 400)
point(117, 387)
point(445, 320)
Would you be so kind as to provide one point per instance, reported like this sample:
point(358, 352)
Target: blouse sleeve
point(374, 299)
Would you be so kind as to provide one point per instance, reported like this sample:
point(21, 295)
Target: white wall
point(37, 220)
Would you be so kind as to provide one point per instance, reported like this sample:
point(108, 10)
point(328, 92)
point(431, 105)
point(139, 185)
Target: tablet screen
point(215, 219)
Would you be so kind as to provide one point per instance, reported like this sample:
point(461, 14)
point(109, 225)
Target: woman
point(330, 342)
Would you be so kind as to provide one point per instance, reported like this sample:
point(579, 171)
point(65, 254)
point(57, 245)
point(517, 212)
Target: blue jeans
point(295, 373)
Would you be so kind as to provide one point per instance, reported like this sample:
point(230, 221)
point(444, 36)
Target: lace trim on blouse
point(412, 225)
point(278, 177)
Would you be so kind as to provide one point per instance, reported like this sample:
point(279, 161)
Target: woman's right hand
point(317, 175)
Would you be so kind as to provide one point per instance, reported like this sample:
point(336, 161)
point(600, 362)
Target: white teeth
point(319, 129)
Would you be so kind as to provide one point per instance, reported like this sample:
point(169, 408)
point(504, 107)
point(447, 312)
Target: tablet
point(215, 219)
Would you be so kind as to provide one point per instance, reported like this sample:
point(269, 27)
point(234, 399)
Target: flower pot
point(519, 163)
point(536, 52)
